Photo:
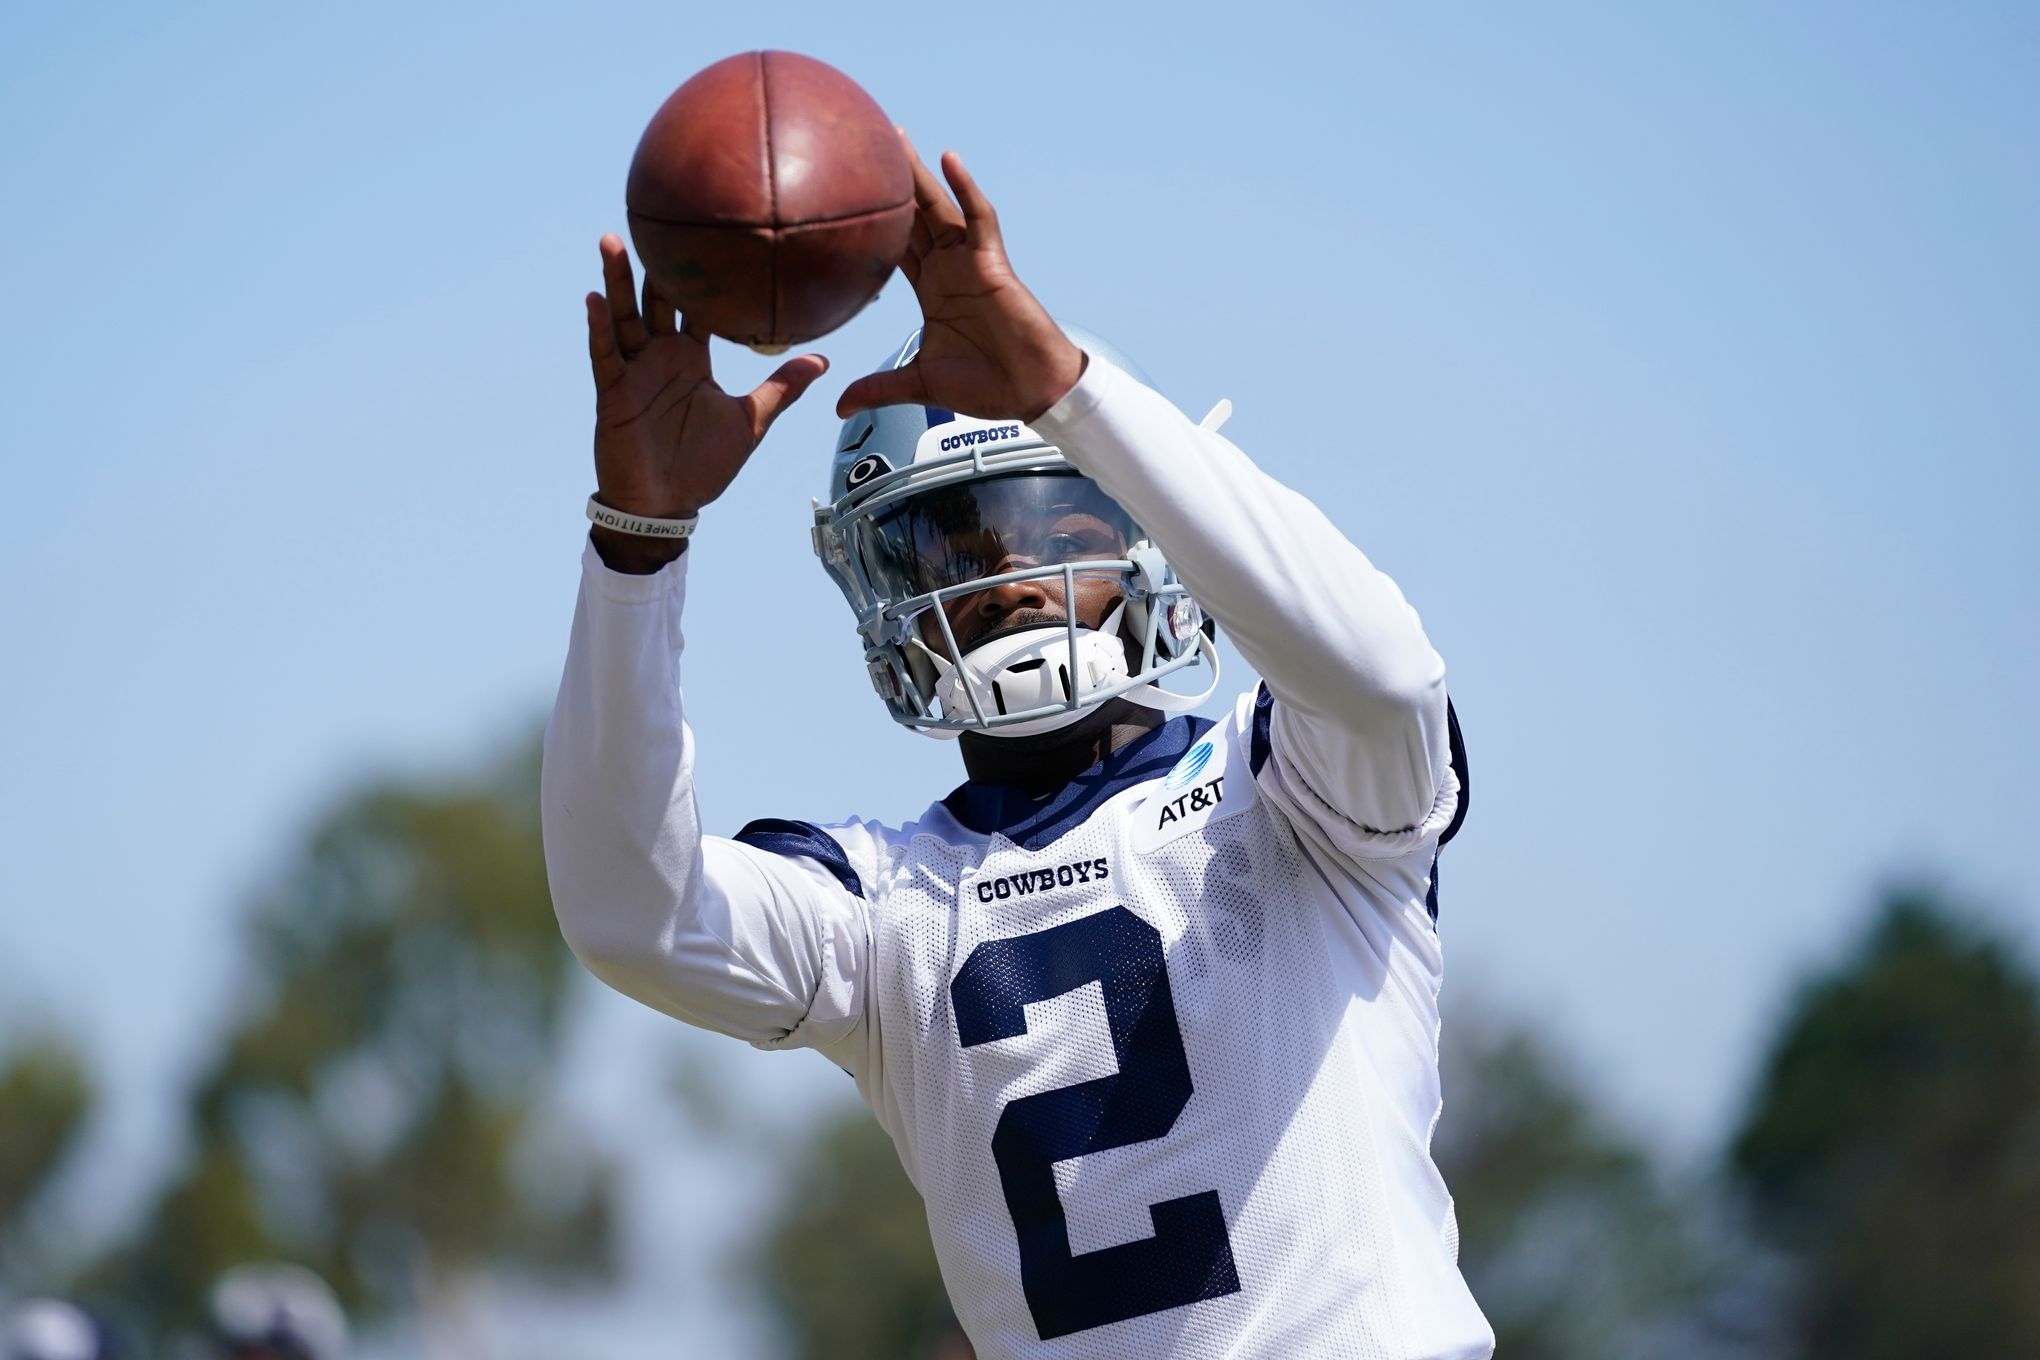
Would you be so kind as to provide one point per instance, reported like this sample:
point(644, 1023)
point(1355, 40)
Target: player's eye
point(1079, 535)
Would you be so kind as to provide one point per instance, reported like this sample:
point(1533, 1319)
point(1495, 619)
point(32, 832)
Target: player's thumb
point(891, 388)
point(782, 390)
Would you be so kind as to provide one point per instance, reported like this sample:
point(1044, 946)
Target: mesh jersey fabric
point(1166, 1082)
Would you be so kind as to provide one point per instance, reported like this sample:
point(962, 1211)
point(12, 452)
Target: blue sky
point(1681, 365)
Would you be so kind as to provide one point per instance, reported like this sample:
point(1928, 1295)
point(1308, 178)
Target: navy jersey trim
point(795, 840)
point(1458, 745)
point(1258, 747)
point(1034, 825)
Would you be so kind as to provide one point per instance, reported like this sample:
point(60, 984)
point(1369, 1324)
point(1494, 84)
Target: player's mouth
point(1019, 621)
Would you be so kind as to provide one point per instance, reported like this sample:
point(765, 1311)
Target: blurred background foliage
point(45, 1100)
point(1567, 1235)
point(884, 1295)
point(1893, 1144)
point(383, 1104)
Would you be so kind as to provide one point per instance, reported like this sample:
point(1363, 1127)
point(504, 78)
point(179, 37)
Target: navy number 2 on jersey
point(1190, 1255)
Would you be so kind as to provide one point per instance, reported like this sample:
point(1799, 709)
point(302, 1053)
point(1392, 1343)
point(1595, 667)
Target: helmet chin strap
point(1152, 695)
point(1030, 669)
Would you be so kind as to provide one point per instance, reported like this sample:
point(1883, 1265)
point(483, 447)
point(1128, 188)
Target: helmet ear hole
point(885, 678)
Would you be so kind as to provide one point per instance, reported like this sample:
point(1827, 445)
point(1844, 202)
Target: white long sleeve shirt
point(1160, 1052)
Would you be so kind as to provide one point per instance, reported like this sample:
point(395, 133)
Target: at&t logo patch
point(1189, 767)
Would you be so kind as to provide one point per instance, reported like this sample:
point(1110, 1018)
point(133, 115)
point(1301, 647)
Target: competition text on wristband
point(622, 523)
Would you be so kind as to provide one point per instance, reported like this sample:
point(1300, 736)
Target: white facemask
point(1033, 668)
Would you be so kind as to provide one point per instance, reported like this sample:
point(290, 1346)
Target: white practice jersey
point(1160, 1051)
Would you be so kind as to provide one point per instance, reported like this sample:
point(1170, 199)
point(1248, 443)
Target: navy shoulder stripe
point(802, 839)
point(1257, 744)
point(1458, 744)
point(1257, 753)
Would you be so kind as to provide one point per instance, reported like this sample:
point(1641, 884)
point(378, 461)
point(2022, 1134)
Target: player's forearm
point(1332, 635)
point(1361, 711)
point(623, 842)
point(622, 838)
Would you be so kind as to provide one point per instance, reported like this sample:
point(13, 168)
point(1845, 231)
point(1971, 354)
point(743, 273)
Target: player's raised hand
point(668, 440)
point(988, 348)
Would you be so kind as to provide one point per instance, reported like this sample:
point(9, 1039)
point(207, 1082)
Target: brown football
point(770, 199)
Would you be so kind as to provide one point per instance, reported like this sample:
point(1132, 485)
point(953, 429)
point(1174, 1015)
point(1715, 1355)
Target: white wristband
point(598, 513)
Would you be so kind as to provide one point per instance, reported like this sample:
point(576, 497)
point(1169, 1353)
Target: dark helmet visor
point(956, 534)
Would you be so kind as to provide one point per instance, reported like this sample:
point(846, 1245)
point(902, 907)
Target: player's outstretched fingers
point(981, 220)
point(782, 390)
point(602, 352)
point(893, 388)
point(622, 292)
point(919, 240)
point(940, 215)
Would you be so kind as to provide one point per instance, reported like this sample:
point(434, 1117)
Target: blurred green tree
point(381, 1109)
point(1567, 1235)
point(1893, 1145)
point(846, 1263)
point(45, 1101)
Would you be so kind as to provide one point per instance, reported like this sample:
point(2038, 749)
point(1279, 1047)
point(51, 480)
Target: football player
point(1149, 1005)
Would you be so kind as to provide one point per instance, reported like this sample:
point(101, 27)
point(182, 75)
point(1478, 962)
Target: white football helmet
point(927, 507)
